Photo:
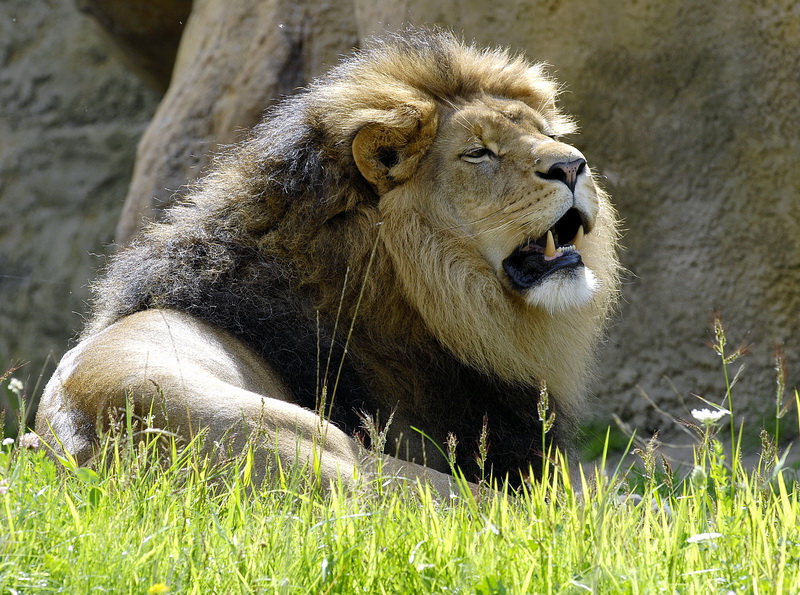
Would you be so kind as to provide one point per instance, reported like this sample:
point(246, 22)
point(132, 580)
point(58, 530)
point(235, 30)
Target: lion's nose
point(566, 171)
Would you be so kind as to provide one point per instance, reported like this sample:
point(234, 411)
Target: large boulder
point(70, 116)
point(234, 59)
point(147, 32)
point(688, 111)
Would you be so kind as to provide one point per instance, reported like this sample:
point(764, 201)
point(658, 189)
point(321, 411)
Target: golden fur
point(407, 194)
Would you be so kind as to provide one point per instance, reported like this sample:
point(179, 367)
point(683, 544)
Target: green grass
point(152, 520)
point(142, 524)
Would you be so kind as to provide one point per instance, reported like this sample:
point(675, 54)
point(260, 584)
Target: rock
point(147, 32)
point(70, 116)
point(688, 112)
point(234, 60)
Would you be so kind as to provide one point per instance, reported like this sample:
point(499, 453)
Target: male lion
point(406, 238)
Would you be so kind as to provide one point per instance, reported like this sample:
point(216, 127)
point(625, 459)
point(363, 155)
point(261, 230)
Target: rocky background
point(71, 114)
point(689, 111)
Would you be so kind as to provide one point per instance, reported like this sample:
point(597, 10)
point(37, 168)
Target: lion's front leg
point(188, 377)
point(295, 436)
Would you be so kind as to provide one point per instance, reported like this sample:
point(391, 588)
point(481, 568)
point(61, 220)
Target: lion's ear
point(388, 149)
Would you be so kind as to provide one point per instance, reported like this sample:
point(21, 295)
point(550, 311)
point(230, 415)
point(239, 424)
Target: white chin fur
point(564, 290)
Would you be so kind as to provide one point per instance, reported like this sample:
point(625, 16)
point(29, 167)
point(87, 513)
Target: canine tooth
point(550, 248)
point(578, 241)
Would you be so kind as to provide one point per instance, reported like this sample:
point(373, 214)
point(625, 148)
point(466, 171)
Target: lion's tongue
point(532, 262)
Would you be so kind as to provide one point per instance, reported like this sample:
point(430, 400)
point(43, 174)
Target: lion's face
point(497, 235)
point(522, 198)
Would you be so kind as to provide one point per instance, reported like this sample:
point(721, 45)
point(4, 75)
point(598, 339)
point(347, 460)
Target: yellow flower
point(158, 589)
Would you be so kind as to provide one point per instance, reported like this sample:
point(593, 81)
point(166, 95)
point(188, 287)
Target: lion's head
point(497, 235)
point(424, 189)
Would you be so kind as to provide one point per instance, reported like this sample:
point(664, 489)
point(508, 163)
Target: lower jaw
point(526, 272)
point(563, 290)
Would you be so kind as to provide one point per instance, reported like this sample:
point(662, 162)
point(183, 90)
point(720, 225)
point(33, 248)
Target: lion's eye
point(477, 155)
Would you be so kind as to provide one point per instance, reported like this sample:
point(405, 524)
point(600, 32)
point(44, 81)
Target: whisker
point(500, 226)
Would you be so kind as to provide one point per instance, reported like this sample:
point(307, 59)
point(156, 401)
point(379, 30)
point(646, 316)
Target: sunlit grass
point(139, 525)
point(151, 517)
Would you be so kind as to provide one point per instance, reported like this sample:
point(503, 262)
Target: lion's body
point(402, 194)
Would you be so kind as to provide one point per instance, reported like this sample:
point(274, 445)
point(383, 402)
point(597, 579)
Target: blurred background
point(688, 110)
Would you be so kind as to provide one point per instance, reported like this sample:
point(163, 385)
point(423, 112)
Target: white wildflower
point(3, 487)
point(708, 417)
point(15, 386)
point(29, 440)
point(8, 442)
point(703, 537)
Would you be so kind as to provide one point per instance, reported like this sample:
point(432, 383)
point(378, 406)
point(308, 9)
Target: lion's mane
point(274, 243)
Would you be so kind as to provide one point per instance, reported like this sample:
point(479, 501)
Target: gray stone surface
point(233, 61)
point(688, 110)
point(70, 118)
point(146, 32)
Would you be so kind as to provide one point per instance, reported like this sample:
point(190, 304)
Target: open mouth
point(556, 250)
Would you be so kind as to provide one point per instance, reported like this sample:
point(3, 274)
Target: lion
point(408, 240)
